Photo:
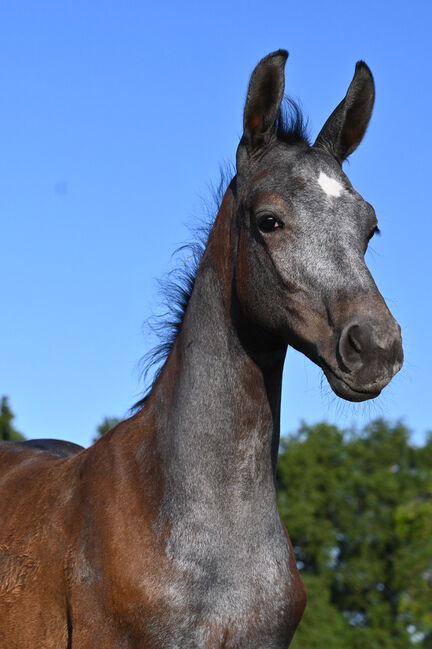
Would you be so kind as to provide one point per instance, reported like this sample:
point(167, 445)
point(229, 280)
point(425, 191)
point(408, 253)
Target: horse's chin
point(345, 391)
point(342, 389)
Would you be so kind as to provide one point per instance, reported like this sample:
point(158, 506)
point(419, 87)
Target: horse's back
point(38, 486)
point(23, 457)
point(54, 446)
point(34, 475)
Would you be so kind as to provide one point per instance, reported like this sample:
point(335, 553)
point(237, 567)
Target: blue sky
point(115, 118)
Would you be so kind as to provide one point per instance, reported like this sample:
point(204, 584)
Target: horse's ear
point(264, 97)
point(346, 126)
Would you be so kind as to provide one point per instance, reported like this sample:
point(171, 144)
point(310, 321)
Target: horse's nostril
point(352, 345)
point(354, 335)
point(370, 349)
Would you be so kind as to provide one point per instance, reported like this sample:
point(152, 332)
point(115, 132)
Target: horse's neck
point(217, 409)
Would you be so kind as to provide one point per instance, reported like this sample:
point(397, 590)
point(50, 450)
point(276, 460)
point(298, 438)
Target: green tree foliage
point(7, 431)
point(358, 507)
point(107, 424)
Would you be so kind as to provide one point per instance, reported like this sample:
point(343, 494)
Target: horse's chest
point(200, 586)
point(237, 595)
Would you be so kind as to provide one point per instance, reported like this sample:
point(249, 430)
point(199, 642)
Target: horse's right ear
point(264, 97)
point(346, 126)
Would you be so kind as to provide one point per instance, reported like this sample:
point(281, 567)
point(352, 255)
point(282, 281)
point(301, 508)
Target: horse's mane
point(291, 124)
point(176, 288)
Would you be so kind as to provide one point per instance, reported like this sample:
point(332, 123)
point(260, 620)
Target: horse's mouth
point(344, 390)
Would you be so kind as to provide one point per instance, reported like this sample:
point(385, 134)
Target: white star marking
point(329, 185)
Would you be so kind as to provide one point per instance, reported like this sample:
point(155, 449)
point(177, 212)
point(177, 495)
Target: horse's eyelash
point(373, 232)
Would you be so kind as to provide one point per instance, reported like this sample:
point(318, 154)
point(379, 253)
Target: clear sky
point(115, 117)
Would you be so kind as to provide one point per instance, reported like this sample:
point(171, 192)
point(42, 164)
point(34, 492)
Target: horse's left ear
point(263, 101)
point(346, 126)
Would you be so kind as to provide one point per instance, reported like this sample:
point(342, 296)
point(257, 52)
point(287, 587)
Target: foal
point(165, 534)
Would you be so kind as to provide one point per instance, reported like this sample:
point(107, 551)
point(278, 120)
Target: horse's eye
point(374, 230)
point(268, 223)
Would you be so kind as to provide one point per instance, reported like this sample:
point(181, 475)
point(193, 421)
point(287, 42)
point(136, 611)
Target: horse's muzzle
point(368, 354)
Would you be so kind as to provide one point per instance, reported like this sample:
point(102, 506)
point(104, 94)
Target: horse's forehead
point(313, 170)
point(330, 185)
point(309, 179)
point(322, 173)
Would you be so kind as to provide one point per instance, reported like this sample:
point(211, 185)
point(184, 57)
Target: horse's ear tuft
point(346, 126)
point(264, 97)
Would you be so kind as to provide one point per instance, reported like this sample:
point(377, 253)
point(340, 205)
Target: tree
point(358, 507)
point(106, 425)
point(7, 431)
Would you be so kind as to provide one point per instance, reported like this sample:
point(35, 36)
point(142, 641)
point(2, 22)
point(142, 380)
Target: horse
point(166, 533)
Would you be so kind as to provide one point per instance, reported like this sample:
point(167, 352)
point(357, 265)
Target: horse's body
point(165, 534)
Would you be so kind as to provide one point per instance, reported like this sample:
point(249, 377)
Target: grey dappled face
point(303, 233)
point(317, 291)
point(324, 228)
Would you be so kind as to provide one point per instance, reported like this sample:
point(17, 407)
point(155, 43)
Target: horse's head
point(303, 233)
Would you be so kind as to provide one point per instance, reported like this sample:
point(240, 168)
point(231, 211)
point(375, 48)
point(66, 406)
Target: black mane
point(176, 289)
point(291, 124)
